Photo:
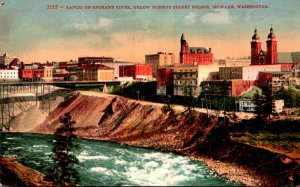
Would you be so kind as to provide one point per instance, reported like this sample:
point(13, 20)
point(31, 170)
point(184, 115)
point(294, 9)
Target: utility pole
point(138, 93)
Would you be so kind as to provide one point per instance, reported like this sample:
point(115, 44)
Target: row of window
point(6, 73)
point(186, 82)
point(182, 88)
point(9, 77)
point(186, 70)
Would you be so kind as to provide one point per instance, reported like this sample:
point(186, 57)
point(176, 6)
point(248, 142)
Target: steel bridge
point(40, 92)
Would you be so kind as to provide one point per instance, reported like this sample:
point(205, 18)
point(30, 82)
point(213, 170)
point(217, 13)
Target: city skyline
point(35, 33)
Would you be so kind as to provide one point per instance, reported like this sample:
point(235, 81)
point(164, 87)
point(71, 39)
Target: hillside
point(143, 124)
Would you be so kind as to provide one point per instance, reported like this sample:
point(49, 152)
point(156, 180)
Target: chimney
point(209, 50)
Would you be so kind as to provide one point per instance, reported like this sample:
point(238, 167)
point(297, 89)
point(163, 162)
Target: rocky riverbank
point(15, 174)
point(113, 118)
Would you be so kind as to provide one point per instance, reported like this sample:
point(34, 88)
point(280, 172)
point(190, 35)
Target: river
point(104, 163)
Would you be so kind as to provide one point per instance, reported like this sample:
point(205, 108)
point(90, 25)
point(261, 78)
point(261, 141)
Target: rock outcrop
point(15, 174)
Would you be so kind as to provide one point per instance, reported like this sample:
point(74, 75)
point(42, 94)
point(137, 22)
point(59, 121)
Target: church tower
point(184, 47)
point(271, 48)
point(255, 48)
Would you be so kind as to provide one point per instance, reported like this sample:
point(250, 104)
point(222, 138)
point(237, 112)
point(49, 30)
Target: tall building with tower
point(194, 55)
point(260, 57)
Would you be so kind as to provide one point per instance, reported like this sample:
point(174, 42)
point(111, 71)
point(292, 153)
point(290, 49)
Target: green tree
point(189, 102)
point(62, 172)
point(263, 102)
point(168, 108)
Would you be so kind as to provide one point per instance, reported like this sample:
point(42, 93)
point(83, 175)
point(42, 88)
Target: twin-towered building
point(261, 57)
point(196, 66)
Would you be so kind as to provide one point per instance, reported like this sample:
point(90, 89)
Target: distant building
point(288, 60)
point(9, 75)
point(234, 62)
point(296, 71)
point(48, 74)
point(95, 73)
point(5, 59)
point(231, 73)
point(165, 79)
point(246, 105)
point(94, 60)
point(32, 74)
point(158, 60)
point(275, 79)
point(116, 66)
point(235, 87)
point(141, 72)
point(192, 76)
point(186, 77)
point(194, 55)
point(260, 57)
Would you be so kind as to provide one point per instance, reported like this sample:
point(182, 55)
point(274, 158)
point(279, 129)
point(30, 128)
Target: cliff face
point(135, 123)
point(123, 120)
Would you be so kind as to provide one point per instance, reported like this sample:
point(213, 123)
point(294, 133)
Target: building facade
point(48, 74)
point(9, 75)
point(234, 62)
point(165, 79)
point(186, 77)
point(194, 55)
point(93, 60)
point(260, 57)
point(141, 72)
point(158, 60)
point(116, 66)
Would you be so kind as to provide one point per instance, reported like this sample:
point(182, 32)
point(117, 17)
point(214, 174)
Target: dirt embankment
point(113, 118)
point(15, 174)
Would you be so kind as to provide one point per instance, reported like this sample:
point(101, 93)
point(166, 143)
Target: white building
point(246, 105)
point(115, 66)
point(9, 75)
point(251, 72)
point(192, 76)
point(249, 106)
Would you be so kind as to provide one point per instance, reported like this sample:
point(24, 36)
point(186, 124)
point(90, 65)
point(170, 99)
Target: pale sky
point(34, 33)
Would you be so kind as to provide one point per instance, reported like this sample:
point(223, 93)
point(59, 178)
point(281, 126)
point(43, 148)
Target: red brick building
point(236, 87)
point(32, 74)
point(260, 57)
point(194, 55)
point(141, 72)
point(165, 79)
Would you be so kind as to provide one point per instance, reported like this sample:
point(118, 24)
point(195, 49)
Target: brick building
point(32, 74)
point(142, 72)
point(194, 55)
point(158, 60)
point(165, 78)
point(260, 57)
